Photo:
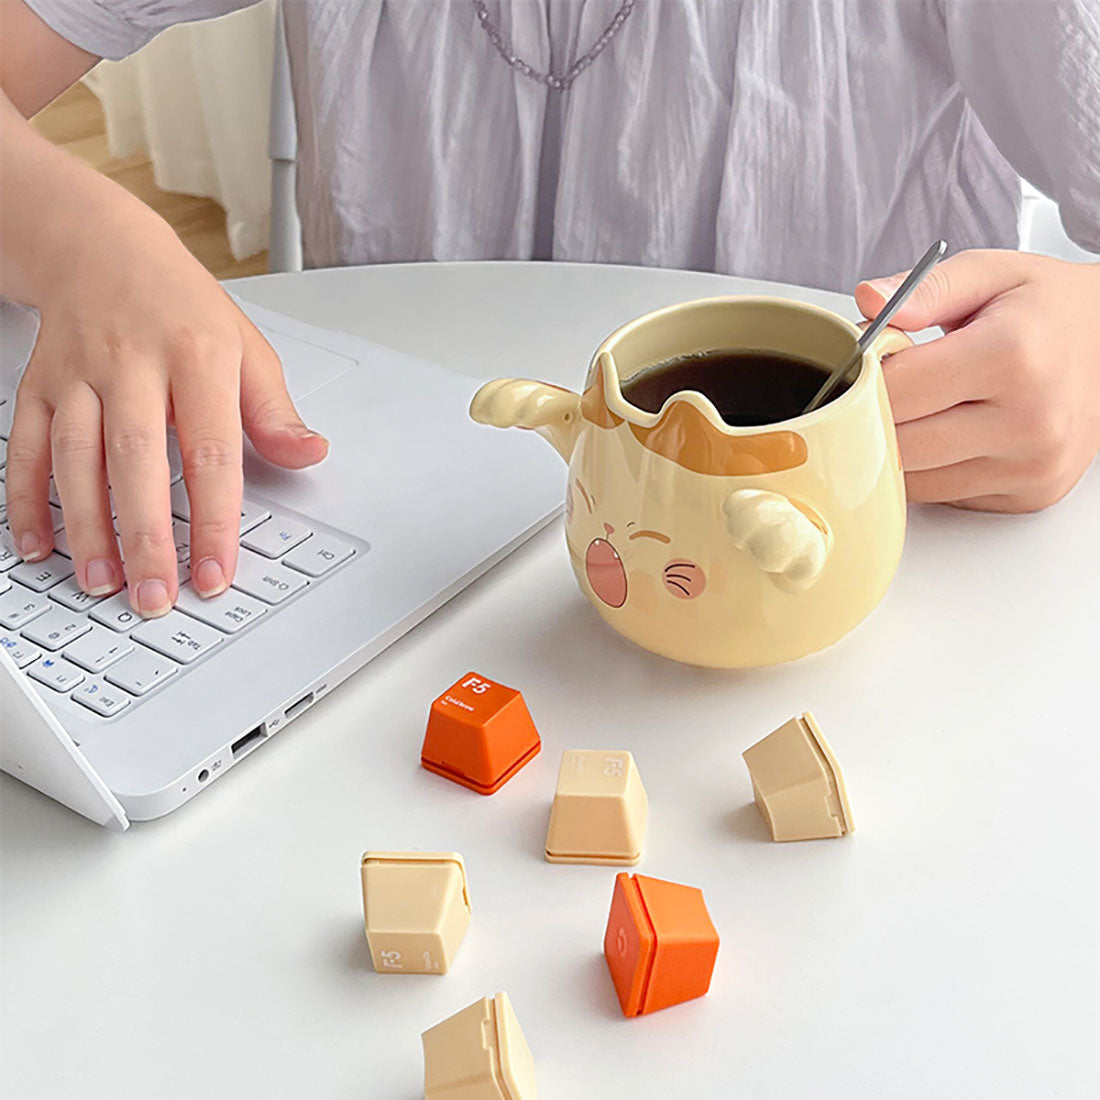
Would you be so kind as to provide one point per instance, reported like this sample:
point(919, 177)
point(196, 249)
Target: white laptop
point(125, 720)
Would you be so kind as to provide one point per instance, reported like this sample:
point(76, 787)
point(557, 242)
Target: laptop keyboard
point(101, 653)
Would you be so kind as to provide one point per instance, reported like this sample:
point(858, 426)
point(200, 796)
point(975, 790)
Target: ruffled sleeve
point(117, 28)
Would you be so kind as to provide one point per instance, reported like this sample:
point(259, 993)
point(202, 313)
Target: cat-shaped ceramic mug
point(716, 545)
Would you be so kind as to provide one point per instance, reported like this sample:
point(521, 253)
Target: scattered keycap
point(479, 1053)
point(479, 734)
point(600, 810)
point(660, 943)
point(797, 783)
point(416, 908)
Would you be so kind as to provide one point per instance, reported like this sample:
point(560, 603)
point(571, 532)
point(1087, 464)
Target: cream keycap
point(479, 1053)
point(416, 909)
point(600, 809)
point(797, 783)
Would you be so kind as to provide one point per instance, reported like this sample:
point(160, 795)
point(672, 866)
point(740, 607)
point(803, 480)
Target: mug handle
point(552, 412)
point(889, 341)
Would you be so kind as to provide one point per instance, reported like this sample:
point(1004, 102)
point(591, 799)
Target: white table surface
point(947, 949)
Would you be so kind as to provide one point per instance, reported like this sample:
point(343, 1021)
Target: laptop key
point(21, 652)
point(317, 555)
point(181, 536)
point(140, 672)
point(61, 543)
point(181, 503)
point(39, 576)
point(116, 612)
point(5, 583)
point(275, 536)
point(177, 636)
point(175, 459)
point(98, 649)
point(69, 594)
point(229, 611)
point(251, 515)
point(266, 580)
point(56, 628)
point(20, 606)
point(101, 698)
point(9, 559)
point(56, 673)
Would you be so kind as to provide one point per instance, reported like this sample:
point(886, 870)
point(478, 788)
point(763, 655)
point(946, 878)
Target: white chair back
point(285, 247)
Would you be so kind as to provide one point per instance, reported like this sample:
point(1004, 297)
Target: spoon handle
point(897, 300)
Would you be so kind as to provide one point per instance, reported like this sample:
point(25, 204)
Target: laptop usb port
point(296, 708)
point(247, 743)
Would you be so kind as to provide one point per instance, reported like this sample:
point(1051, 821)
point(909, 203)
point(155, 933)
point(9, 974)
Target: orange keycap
point(479, 734)
point(660, 943)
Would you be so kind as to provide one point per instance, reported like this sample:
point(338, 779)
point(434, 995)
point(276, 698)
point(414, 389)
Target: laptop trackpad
point(403, 446)
point(306, 367)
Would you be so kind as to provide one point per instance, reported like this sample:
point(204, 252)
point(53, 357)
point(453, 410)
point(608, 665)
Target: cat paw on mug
point(779, 537)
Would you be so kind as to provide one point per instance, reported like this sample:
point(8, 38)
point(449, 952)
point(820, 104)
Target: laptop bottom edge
point(147, 806)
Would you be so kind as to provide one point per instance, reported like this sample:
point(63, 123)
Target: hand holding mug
point(1003, 412)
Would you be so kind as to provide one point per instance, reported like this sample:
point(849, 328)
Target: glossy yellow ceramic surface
point(715, 545)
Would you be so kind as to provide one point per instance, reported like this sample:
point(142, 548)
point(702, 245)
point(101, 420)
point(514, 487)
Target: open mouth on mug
point(605, 572)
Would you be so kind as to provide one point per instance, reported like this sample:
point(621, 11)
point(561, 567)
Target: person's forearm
point(36, 63)
point(47, 199)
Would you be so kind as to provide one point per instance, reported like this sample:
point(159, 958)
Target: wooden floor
point(75, 122)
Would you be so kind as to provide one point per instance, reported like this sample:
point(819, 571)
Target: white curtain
point(197, 98)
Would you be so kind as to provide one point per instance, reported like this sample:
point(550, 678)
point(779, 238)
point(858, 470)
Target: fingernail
point(152, 599)
point(99, 577)
point(31, 548)
point(885, 286)
point(208, 577)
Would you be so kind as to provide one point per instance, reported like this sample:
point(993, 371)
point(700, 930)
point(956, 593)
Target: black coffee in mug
point(748, 388)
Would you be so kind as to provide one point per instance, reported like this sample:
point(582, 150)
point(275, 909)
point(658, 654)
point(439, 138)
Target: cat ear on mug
point(782, 538)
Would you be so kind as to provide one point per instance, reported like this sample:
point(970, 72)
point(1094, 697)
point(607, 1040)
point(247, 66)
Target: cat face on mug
point(639, 557)
point(681, 577)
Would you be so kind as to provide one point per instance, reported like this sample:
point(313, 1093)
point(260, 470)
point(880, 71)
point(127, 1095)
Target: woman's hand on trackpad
point(135, 336)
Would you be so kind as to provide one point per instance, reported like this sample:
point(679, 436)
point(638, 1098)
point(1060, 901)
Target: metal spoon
point(923, 266)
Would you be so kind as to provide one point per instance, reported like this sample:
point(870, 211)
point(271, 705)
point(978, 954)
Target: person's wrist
point(99, 221)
